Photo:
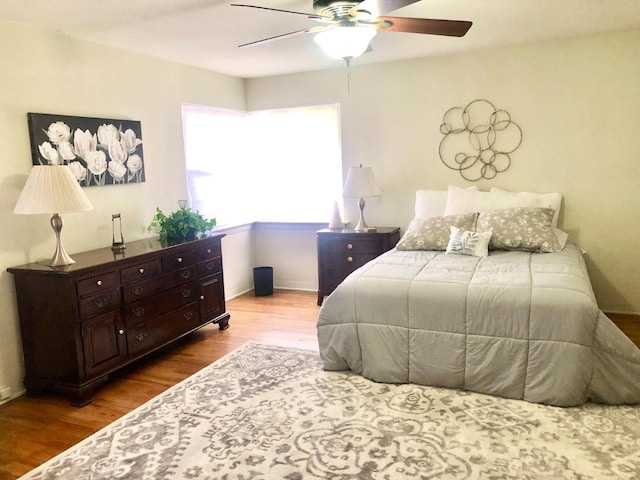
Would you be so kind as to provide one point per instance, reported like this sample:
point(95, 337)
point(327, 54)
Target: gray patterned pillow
point(520, 229)
point(433, 233)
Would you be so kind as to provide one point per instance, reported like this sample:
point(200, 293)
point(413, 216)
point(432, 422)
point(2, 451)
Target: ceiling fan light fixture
point(345, 41)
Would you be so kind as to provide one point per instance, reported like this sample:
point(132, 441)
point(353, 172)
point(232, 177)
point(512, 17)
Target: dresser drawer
point(146, 336)
point(139, 290)
point(178, 260)
point(140, 271)
point(97, 283)
point(144, 310)
point(99, 303)
point(210, 267)
point(208, 251)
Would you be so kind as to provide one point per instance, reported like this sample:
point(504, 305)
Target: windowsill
point(234, 228)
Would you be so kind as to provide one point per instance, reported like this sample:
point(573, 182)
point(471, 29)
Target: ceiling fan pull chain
point(347, 60)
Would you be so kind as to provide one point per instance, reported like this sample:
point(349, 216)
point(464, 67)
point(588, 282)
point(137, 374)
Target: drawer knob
point(349, 259)
point(99, 283)
point(208, 250)
point(201, 297)
point(141, 271)
point(121, 332)
point(179, 259)
point(101, 302)
point(349, 246)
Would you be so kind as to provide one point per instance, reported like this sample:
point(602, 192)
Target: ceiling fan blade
point(278, 37)
point(379, 7)
point(450, 28)
point(312, 16)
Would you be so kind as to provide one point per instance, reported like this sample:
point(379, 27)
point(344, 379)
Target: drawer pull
point(141, 271)
point(188, 315)
point(121, 332)
point(99, 283)
point(141, 336)
point(101, 302)
point(185, 274)
point(201, 297)
point(186, 293)
point(138, 312)
point(208, 250)
point(349, 246)
point(179, 259)
point(138, 290)
point(349, 259)
point(211, 265)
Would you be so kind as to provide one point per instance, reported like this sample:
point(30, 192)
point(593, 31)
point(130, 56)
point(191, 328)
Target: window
point(273, 165)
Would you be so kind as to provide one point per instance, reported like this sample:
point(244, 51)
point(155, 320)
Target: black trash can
point(263, 281)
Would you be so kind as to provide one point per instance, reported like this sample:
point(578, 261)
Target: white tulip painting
point(98, 151)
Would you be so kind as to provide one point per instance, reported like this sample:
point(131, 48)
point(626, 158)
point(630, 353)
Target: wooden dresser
point(340, 252)
point(83, 321)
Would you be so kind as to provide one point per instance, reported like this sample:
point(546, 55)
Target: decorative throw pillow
point(526, 229)
point(464, 242)
point(433, 233)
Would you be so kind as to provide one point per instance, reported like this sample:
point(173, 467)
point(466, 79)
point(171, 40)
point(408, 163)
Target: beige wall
point(47, 73)
point(577, 102)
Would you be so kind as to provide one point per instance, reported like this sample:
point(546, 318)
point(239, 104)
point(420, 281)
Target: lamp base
point(60, 257)
point(362, 225)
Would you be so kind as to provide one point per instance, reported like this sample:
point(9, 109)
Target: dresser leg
point(223, 323)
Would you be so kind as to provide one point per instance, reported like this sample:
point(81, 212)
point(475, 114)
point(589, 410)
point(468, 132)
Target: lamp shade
point(345, 41)
point(51, 189)
point(361, 183)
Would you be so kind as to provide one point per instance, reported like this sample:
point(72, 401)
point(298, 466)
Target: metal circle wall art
point(478, 140)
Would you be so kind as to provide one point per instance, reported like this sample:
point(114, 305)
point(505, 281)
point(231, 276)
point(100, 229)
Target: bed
point(516, 321)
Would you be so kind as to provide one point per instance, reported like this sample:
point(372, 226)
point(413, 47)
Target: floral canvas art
point(98, 151)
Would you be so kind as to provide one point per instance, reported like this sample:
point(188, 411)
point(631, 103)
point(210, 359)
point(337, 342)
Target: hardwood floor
point(32, 430)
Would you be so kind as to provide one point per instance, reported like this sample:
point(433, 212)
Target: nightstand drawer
point(347, 262)
point(353, 245)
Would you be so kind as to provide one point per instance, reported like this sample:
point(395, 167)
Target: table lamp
point(361, 183)
point(53, 189)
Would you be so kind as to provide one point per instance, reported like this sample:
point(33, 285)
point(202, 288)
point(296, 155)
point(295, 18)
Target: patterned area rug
point(265, 412)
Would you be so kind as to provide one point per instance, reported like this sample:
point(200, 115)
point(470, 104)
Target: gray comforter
point(513, 324)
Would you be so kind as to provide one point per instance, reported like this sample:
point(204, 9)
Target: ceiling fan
point(348, 26)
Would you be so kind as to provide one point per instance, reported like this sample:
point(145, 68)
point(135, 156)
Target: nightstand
point(340, 252)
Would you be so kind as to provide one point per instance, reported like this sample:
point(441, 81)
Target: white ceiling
point(205, 33)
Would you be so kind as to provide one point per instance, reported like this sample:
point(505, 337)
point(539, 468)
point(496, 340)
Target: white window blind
point(273, 165)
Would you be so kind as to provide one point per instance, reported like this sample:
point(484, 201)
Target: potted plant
point(183, 225)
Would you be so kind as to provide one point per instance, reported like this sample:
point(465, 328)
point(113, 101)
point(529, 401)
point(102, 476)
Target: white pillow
point(536, 200)
point(464, 242)
point(460, 200)
point(432, 203)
